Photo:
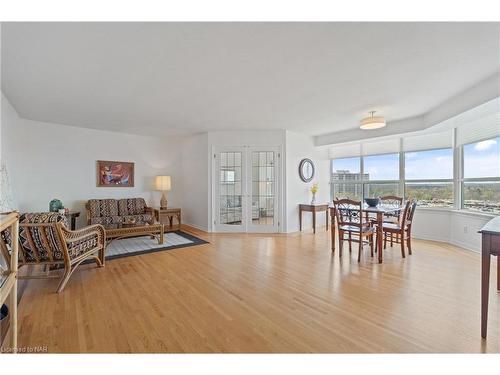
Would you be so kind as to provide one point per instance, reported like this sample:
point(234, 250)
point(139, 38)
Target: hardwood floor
point(266, 293)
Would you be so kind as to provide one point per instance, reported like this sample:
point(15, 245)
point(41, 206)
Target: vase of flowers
point(314, 190)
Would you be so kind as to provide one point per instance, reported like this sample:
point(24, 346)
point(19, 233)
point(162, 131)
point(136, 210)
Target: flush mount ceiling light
point(372, 122)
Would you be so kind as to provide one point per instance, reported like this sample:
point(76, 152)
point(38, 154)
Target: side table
point(166, 216)
point(313, 208)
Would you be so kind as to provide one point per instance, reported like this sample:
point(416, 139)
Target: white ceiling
point(181, 78)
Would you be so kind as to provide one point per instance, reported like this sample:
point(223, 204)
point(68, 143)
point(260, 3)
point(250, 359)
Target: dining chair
point(351, 221)
point(393, 217)
point(402, 229)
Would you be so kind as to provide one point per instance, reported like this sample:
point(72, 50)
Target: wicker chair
point(44, 239)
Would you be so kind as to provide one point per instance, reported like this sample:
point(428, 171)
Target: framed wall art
point(115, 174)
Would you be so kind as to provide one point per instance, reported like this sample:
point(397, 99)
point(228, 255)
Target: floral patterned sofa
point(115, 211)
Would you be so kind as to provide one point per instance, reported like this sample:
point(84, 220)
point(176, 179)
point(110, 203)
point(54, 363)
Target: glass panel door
point(229, 190)
point(245, 188)
point(263, 188)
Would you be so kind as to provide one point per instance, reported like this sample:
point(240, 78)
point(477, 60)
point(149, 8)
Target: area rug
point(142, 245)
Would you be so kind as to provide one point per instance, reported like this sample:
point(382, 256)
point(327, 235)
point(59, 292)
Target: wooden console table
point(166, 216)
point(490, 234)
point(313, 208)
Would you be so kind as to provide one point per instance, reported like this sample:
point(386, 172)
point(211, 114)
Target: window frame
point(362, 181)
point(462, 180)
point(352, 183)
point(458, 180)
point(433, 180)
point(402, 176)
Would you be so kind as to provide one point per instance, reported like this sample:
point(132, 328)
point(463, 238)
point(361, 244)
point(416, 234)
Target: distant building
point(349, 188)
point(345, 175)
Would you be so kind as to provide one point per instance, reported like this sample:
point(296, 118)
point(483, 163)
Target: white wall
point(47, 161)
point(431, 224)
point(298, 147)
point(464, 227)
point(196, 181)
point(452, 226)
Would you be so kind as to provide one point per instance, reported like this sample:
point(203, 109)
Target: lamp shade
point(373, 122)
point(163, 183)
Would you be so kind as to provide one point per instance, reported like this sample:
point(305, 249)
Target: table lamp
point(163, 183)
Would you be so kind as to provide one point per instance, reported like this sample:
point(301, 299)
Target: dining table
point(490, 238)
point(379, 211)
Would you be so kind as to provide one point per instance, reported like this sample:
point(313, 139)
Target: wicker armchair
point(44, 239)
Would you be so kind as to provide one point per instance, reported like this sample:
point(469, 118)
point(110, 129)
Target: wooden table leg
point(485, 283)
point(498, 273)
point(332, 229)
point(326, 219)
point(300, 219)
point(314, 222)
point(380, 234)
point(333, 236)
point(161, 239)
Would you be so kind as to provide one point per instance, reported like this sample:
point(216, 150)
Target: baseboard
point(204, 229)
point(307, 228)
point(431, 238)
point(466, 246)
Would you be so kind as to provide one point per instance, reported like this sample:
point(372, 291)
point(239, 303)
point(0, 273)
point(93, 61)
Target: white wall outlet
point(466, 229)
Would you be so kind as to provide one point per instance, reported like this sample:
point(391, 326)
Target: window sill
point(437, 209)
point(483, 215)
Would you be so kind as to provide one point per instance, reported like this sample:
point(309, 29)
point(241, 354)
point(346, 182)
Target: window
point(346, 178)
point(455, 165)
point(429, 177)
point(431, 194)
point(481, 176)
point(384, 171)
point(429, 165)
point(374, 190)
point(382, 167)
point(380, 177)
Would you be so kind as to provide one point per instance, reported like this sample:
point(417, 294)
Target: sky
point(481, 159)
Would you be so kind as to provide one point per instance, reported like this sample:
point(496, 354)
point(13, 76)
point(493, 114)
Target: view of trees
point(431, 194)
point(482, 196)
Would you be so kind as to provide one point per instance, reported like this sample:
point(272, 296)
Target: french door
point(246, 183)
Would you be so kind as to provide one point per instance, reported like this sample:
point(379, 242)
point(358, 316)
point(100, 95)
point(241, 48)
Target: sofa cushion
point(104, 220)
point(103, 208)
point(144, 218)
point(42, 239)
point(131, 206)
